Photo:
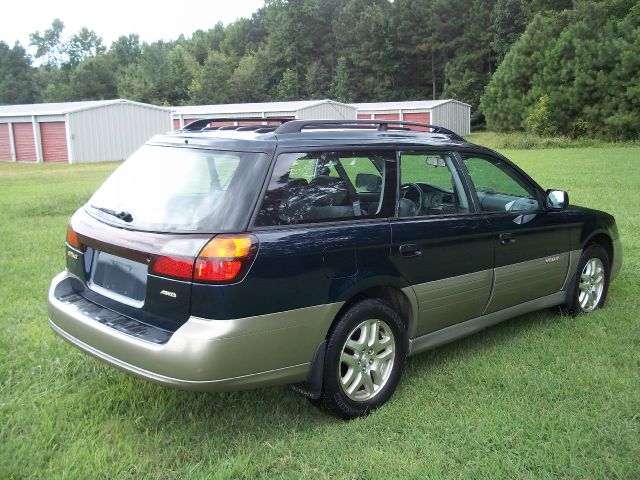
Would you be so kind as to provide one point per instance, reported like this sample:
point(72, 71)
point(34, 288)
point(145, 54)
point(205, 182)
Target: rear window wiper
point(124, 216)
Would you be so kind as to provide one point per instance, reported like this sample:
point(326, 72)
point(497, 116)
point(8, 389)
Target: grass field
point(540, 396)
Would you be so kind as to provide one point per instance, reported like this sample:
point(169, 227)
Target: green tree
point(289, 86)
point(126, 49)
point(342, 87)
point(539, 120)
point(585, 61)
point(421, 73)
point(135, 84)
point(154, 78)
point(247, 83)
point(183, 69)
point(83, 44)
point(49, 44)
point(204, 42)
point(54, 84)
point(94, 79)
point(237, 38)
point(317, 81)
point(509, 97)
point(298, 34)
point(533, 7)
point(364, 38)
point(508, 22)
point(212, 84)
point(472, 60)
point(17, 81)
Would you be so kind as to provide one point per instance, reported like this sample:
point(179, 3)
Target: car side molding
point(454, 332)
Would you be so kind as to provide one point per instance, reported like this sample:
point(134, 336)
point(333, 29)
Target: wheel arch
point(402, 300)
point(603, 239)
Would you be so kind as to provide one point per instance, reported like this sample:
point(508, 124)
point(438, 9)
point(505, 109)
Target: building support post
point(67, 132)
point(12, 143)
point(37, 139)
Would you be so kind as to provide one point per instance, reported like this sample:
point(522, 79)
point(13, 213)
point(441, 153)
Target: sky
point(152, 20)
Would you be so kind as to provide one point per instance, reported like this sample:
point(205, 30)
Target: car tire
point(365, 356)
point(590, 285)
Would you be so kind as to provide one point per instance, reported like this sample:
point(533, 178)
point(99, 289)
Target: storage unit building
point(78, 132)
point(307, 109)
point(450, 114)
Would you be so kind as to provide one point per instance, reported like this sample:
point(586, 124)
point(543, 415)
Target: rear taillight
point(177, 267)
point(72, 238)
point(225, 258)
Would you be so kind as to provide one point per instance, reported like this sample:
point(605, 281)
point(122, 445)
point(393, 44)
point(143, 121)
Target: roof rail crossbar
point(296, 126)
point(203, 123)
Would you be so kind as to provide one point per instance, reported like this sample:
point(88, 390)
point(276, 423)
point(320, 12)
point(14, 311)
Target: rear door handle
point(409, 250)
point(507, 238)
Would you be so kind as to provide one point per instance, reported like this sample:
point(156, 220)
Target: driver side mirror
point(557, 200)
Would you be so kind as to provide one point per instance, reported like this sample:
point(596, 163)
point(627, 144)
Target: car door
point(530, 243)
point(319, 232)
point(438, 243)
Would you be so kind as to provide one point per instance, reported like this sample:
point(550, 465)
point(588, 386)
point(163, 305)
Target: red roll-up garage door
point(283, 116)
point(364, 116)
point(54, 142)
point(176, 124)
point(5, 142)
point(25, 144)
point(422, 117)
point(387, 116)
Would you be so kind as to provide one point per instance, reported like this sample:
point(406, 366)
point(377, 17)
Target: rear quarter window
point(324, 186)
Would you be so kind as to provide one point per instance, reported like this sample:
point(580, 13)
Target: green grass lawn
point(540, 396)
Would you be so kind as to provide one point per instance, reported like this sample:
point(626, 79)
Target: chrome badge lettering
point(555, 258)
point(168, 293)
point(72, 255)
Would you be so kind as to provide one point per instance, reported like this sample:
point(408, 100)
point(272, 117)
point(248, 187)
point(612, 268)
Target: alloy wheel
point(366, 360)
point(591, 285)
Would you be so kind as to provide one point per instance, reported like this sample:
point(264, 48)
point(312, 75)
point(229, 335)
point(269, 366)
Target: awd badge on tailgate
point(168, 293)
point(72, 255)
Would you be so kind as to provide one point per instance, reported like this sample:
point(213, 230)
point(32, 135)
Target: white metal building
point(78, 132)
point(450, 114)
point(305, 109)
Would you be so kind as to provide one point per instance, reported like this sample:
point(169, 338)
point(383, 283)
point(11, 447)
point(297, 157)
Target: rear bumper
point(210, 355)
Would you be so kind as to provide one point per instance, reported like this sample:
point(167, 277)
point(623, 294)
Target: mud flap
point(312, 386)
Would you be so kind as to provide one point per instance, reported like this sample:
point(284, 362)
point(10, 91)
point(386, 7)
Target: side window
point(430, 185)
point(324, 186)
point(499, 188)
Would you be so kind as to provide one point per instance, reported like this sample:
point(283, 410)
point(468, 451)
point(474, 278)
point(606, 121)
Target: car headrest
point(369, 182)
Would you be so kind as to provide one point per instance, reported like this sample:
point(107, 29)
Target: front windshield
point(181, 189)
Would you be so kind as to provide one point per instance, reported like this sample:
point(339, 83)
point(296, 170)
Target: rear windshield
point(172, 189)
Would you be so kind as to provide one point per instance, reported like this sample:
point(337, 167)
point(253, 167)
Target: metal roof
point(64, 108)
point(409, 105)
point(232, 108)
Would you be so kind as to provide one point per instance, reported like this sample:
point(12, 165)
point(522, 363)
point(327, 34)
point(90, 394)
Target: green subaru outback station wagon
point(318, 254)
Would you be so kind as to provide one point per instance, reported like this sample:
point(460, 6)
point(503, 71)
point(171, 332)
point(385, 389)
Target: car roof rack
point(204, 123)
point(296, 126)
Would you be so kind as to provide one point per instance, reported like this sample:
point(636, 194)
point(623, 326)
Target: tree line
point(519, 63)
